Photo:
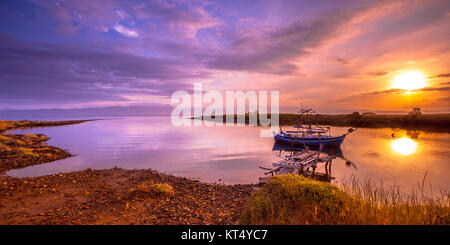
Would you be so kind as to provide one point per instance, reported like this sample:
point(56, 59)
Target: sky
point(334, 56)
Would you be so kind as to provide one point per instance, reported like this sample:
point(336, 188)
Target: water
point(232, 155)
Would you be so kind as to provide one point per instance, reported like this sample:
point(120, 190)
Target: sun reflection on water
point(404, 146)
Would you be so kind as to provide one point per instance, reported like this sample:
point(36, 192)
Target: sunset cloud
point(402, 91)
point(330, 56)
point(125, 31)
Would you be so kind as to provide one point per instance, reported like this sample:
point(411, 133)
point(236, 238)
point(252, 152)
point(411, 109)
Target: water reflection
point(413, 134)
point(404, 146)
point(332, 150)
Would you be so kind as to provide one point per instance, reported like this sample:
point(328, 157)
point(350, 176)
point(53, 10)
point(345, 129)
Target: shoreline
point(23, 150)
point(119, 196)
point(424, 122)
point(6, 125)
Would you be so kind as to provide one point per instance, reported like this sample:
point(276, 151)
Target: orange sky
point(334, 56)
point(354, 69)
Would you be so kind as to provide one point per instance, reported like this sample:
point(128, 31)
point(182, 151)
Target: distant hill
point(86, 112)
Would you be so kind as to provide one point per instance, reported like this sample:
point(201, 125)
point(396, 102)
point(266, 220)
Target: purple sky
point(334, 56)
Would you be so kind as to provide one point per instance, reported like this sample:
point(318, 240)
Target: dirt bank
point(19, 151)
point(23, 150)
point(118, 196)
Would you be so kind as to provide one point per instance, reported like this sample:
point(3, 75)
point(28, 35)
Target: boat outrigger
point(308, 133)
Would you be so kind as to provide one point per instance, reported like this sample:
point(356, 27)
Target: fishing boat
point(308, 133)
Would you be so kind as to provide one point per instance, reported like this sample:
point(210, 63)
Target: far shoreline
point(424, 122)
point(6, 125)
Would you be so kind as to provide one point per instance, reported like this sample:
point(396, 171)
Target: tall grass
point(293, 199)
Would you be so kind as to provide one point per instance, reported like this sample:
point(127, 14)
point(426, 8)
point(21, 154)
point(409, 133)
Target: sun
point(410, 80)
point(404, 146)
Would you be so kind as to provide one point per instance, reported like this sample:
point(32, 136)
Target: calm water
point(233, 154)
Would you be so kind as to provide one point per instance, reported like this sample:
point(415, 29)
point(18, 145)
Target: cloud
point(273, 50)
point(343, 61)
point(378, 73)
point(181, 18)
point(387, 91)
point(426, 89)
point(125, 31)
point(46, 72)
point(74, 15)
point(444, 75)
point(401, 91)
point(161, 45)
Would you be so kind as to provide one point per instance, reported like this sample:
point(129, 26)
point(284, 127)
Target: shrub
point(153, 189)
point(26, 151)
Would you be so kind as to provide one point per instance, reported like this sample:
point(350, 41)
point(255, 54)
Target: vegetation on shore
point(293, 199)
point(22, 150)
point(426, 122)
point(9, 125)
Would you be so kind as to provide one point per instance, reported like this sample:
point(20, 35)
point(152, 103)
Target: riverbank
point(425, 122)
point(118, 196)
point(23, 150)
point(10, 125)
point(19, 151)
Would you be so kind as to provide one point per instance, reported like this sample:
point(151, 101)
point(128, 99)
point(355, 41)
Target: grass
point(26, 151)
point(22, 140)
point(8, 125)
point(293, 199)
point(22, 145)
point(153, 188)
point(36, 137)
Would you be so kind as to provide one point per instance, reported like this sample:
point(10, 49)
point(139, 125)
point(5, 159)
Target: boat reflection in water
point(304, 161)
point(289, 149)
point(404, 146)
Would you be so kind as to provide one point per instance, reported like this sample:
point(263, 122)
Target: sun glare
point(404, 146)
point(409, 81)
